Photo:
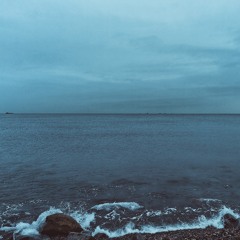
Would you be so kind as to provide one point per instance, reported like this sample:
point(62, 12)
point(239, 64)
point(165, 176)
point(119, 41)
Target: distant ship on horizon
point(8, 113)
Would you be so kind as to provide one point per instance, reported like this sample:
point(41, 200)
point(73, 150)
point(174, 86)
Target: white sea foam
point(169, 211)
point(208, 200)
point(154, 213)
point(201, 223)
point(112, 215)
point(32, 229)
point(28, 229)
point(192, 209)
point(110, 206)
point(129, 228)
point(84, 219)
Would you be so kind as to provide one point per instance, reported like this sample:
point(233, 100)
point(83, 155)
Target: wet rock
point(101, 236)
point(60, 225)
point(230, 221)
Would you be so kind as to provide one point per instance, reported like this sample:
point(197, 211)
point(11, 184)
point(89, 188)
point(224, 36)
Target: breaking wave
point(201, 223)
point(32, 229)
point(137, 219)
point(109, 206)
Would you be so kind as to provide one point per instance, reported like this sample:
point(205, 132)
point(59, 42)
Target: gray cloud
point(119, 56)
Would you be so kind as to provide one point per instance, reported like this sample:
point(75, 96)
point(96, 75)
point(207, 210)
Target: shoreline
point(59, 226)
point(209, 233)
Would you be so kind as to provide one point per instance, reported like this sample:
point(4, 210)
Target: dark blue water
point(157, 161)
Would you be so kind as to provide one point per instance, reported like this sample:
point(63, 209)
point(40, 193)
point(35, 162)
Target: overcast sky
point(120, 56)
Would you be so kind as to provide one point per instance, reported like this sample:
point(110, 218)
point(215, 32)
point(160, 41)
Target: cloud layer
point(120, 56)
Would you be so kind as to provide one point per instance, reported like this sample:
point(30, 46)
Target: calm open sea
point(119, 173)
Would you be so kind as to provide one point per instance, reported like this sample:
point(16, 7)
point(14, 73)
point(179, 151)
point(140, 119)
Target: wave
point(32, 229)
point(110, 206)
point(27, 229)
point(202, 223)
point(209, 200)
point(89, 220)
point(84, 220)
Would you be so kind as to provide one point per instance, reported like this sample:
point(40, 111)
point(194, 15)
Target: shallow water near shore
point(119, 174)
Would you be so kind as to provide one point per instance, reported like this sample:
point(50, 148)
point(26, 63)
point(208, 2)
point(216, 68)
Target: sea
point(119, 173)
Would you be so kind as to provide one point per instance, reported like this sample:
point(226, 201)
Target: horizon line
point(92, 113)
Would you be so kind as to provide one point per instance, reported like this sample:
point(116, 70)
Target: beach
point(197, 234)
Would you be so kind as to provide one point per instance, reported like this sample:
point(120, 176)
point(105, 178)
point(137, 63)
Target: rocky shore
point(63, 227)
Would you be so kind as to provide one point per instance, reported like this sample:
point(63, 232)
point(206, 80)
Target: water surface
point(156, 161)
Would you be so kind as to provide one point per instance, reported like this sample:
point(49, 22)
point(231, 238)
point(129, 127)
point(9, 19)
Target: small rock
point(60, 225)
point(230, 222)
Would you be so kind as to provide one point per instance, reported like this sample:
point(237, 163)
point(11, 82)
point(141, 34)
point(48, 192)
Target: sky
point(120, 56)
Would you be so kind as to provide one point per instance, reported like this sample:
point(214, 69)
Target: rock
point(101, 236)
point(230, 222)
point(60, 225)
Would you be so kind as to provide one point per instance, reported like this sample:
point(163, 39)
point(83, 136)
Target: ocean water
point(119, 174)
